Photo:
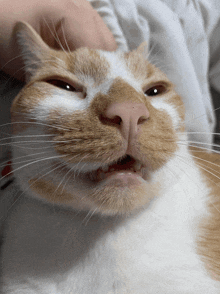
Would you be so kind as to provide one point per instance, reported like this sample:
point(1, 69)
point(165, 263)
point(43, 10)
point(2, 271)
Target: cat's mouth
point(126, 167)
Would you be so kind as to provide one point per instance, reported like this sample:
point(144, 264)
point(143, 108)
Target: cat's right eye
point(68, 86)
point(62, 85)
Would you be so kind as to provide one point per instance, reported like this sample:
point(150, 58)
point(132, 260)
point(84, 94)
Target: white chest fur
point(152, 252)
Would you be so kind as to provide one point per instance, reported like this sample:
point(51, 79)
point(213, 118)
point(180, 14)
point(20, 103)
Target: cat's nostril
point(127, 116)
point(115, 120)
point(142, 120)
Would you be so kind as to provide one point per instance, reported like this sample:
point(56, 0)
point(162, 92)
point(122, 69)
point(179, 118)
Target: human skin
point(75, 22)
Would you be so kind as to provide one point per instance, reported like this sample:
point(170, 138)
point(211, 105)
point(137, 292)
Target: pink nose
point(128, 116)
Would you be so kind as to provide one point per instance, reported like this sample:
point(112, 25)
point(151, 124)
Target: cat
point(112, 199)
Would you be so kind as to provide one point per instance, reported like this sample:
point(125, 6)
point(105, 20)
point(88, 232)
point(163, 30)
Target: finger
point(76, 24)
point(94, 35)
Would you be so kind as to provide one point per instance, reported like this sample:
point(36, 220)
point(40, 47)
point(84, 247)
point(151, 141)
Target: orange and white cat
point(112, 200)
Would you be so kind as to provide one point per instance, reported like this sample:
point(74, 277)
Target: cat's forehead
point(96, 67)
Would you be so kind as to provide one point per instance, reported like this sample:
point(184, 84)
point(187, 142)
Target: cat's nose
point(128, 116)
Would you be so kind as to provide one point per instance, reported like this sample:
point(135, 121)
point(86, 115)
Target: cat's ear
point(143, 49)
point(33, 49)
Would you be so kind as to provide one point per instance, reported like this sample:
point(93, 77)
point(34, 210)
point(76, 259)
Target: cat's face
point(98, 128)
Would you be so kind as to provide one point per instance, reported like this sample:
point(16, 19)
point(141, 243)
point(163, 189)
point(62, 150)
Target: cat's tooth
point(137, 166)
point(144, 173)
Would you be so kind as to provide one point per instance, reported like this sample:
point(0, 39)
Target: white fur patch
point(161, 104)
point(118, 68)
point(62, 100)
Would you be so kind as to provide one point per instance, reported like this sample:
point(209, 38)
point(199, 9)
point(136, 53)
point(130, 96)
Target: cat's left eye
point(156, 90)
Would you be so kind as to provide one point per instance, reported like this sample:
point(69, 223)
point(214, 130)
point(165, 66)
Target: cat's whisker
point(187, 141)
point(196, 143)
point(25, 136)
point(202, 151)
point(74, 176)
point(20, 143)
point(50, 171)
point(177, 176)
point(40, 123)
point(46, 141)
point(11, 60)
point(201, 166)
point(69, 171)
point(152, 47)
point(23, 55)
point(208, 161)
point(55, 35)
point(202, 143)
point(77, 172)
point(194, 132)
point(194, 118)
point(153, 58)
point(89, 216)
point(35, 161)
point(199, 147)
point(64, 37)
point(32, 148)
point(19, 157)
point(209, 200)
point(11, 78)
point(35, 63)
point(80, 170)
point(163, 67)
point(204, 114)
point(19, 162)
point(23, 192)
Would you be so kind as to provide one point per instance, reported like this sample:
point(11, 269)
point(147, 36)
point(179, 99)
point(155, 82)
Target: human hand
point(67, 24)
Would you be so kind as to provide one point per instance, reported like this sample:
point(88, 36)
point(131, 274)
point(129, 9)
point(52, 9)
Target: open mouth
point(123, 168)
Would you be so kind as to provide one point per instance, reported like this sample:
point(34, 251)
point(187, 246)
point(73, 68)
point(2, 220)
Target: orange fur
point(209, 238)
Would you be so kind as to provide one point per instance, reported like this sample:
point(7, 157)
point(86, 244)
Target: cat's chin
point(119, 192)
point(117, 188)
